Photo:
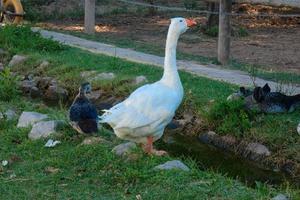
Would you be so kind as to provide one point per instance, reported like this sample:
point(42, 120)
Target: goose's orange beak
point(190, 22)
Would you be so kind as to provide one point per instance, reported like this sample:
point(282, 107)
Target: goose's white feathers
point(145, 112)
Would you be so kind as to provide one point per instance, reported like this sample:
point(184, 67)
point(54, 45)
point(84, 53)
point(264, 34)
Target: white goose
point(143, 116)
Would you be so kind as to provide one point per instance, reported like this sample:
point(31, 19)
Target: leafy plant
point(8, 86)
point(212, 31)
point(230, 117)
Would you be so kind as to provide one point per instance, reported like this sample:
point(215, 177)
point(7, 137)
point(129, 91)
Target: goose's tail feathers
point(102, 118)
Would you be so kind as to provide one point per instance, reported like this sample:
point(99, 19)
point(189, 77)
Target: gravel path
point(212, 72)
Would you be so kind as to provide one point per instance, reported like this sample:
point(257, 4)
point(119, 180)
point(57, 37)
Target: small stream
point(209, 157)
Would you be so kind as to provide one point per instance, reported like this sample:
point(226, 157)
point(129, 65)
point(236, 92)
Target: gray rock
point(35, 92)
point(2, 52)
point(17, 60)
point(43, 82)
point(43, 129)
point(103, 76)
point(123, 149)
point(56, 93)
point(93, 141)
point(94, 95)
point(280, 197)
point(27, 85)
point(44, 64)
point(258, 149)
point(298, 128)
point(87, 74)
point(174, 164)
point(234, 96)
point(29, 118)
point(10, 114)
point(1, 67)
point(140, 79)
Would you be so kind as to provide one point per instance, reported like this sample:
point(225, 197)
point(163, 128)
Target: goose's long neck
point(171, 76)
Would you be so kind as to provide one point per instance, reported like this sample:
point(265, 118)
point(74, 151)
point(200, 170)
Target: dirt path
point(212, 72)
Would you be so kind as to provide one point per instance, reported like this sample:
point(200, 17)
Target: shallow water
point(209, 157)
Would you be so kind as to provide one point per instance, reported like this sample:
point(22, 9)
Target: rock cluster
point(40, 127)
point(45, 87)
point(254, 151)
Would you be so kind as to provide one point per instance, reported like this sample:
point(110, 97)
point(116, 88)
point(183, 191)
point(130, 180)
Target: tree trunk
point(224, 32)
point(89, 16)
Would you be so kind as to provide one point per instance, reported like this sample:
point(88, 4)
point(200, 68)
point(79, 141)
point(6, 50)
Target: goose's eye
point(181, 20)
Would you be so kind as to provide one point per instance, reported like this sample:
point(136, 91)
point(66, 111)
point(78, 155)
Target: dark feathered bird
point(275, 102)
point(83, 114)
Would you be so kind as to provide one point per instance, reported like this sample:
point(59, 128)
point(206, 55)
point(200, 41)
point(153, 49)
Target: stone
point(17, 60)
point(35, 92)
point(43, 82)
point(26, 86)
point(140, 79)
point(94, 95)
point(1, 67)
point(29, 118)
point(174, 164)
point(123, 149)
point(56, 93)
point(234, 96)
point(298, 128)
point(257, 149)
point(87, 74)
point(208, 137)
point(103, 76)
point(3, 52)
point(280, 197)
point(92, 140)
point(43, 129)
point(10, 114)
point(44, 64)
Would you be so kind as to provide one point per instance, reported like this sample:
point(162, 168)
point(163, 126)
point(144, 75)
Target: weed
point(230, 117)
point(23, 39)
point(8, 86)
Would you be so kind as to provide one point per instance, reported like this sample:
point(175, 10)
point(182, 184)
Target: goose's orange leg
point(148, 148)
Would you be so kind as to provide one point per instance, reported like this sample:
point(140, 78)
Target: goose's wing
point(146, 106)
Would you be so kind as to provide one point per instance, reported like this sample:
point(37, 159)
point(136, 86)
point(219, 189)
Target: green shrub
point(8, 86)
point(190, 4)
point(230, 117)
point(212, 31)
point(21, 38)
point(240, 32)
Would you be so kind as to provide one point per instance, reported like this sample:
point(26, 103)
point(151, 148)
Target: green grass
point(88, 172)
point(94, 172)
point(278, 76)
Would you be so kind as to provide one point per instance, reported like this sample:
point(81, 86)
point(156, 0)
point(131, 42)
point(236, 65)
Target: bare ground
point(273, 43)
